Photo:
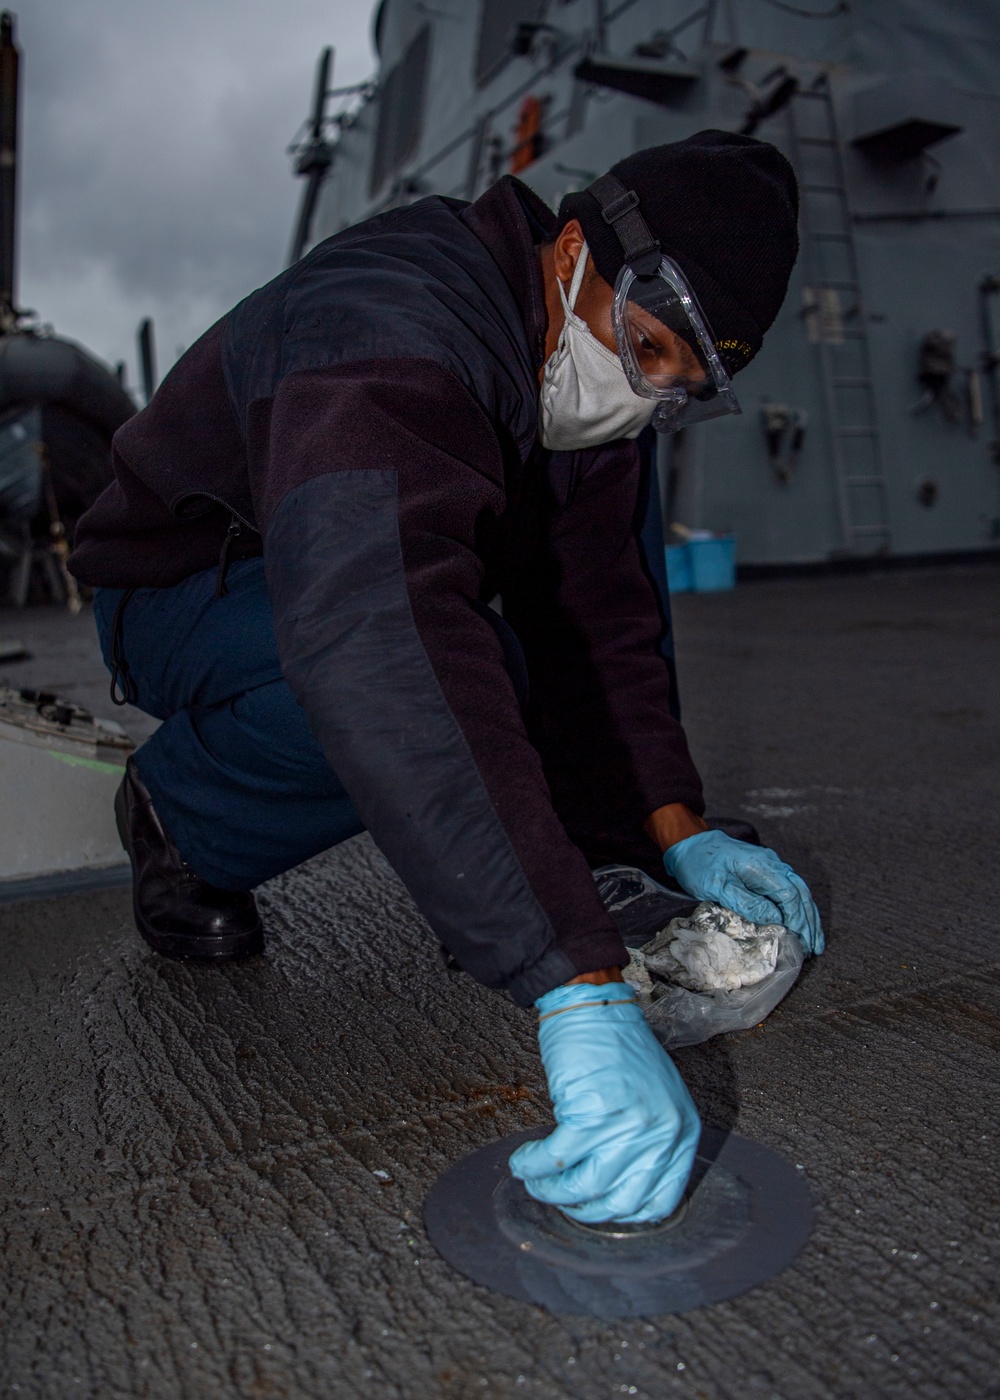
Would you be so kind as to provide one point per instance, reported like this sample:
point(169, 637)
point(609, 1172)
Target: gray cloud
point(155, 179)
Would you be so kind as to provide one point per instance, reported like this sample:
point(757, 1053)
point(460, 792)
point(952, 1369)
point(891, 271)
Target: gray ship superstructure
point(871, 419)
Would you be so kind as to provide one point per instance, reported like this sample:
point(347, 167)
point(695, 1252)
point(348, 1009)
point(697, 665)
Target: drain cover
point(746, 1215)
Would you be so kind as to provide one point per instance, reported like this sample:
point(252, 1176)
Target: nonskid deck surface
point(213, 1178)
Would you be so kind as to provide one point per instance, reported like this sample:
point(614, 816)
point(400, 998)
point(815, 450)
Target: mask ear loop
point(576, 283)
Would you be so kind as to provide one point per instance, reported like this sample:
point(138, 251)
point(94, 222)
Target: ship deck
point(213, 1178)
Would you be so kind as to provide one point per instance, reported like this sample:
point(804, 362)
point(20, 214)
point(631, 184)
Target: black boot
point(179, 914)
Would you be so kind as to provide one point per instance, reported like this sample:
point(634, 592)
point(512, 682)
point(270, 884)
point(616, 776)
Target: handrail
point(580, 46)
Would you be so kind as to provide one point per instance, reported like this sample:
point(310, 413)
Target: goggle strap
point(620, 210)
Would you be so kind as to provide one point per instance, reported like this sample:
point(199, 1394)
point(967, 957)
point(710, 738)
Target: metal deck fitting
point(745, 1217)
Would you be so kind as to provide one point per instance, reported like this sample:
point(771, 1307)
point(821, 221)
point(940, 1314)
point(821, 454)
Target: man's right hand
point(627, 1128)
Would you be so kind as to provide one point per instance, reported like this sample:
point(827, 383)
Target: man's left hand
point(753, 881)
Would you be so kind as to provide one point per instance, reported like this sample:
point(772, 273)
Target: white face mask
point(585, 397)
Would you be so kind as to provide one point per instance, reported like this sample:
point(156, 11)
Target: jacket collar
point(511, 221)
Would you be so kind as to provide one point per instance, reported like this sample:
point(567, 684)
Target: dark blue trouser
point(235, 774)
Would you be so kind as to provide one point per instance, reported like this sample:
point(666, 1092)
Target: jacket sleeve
point(590, 624)
point(373, 482)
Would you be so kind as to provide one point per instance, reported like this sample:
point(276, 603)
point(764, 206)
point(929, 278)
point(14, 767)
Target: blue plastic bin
point(712, 563)
point(678, 568)
point(705, 564)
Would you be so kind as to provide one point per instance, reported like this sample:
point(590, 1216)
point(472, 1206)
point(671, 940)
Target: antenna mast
point(147, 358)
point(9, 61)
point(313, 158)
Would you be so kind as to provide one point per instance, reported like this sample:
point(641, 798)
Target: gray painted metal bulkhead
point(897, 240)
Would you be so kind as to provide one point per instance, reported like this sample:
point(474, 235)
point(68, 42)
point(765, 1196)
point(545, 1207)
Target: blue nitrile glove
point(627, 1128)
point(751, 880)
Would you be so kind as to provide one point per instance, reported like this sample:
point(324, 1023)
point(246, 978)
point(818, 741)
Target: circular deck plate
point(747, 1214)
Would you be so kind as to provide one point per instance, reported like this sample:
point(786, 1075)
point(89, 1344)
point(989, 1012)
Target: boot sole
point(188, 947)
point(199, 948)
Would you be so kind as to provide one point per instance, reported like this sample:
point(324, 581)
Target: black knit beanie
point(724, 207)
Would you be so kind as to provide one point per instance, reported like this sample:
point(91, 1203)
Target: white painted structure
point(59, 769)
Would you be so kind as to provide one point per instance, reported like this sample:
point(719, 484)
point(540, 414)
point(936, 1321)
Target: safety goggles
point(664, 342)
point(666, 348)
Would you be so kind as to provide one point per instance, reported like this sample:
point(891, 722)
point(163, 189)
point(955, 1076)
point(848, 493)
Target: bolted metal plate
point(746, 1214)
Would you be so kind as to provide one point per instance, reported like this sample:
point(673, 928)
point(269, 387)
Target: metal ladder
point(841, 335)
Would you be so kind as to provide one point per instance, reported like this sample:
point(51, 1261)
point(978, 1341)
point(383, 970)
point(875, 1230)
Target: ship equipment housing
point(871, 420)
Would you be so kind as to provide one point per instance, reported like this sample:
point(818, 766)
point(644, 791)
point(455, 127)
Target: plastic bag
point(639, 905)
point(679, 1017)
point(676, 1015)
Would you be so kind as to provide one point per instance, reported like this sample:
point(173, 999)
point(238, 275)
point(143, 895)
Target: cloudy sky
point(155, 179)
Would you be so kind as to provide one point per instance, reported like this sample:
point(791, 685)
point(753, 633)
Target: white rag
point(713, 950)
